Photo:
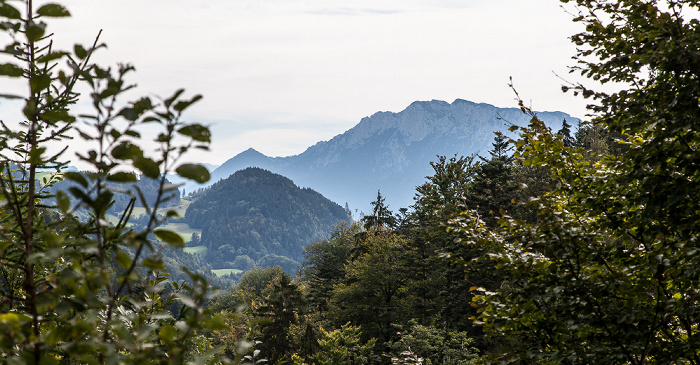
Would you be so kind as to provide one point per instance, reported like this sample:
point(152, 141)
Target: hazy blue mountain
point(255, 217)
point(391, 151)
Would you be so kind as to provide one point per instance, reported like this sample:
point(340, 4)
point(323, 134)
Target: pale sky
point(281, 75)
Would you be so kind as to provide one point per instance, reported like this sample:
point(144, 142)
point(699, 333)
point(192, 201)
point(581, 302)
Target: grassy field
point(180, 209)
point(222, 272)
point(196, 250)
point(183, 230)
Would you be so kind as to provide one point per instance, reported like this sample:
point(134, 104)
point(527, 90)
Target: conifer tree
point(494, 188)
point(565, 133)
point(381, 217)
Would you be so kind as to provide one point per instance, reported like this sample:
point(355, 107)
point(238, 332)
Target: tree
point(324, 266)
point(609, 272)
point(501, 148)
point(240, 305)
point(86, 290)
point(444, 192)
point(256, 280)
point(278, 311)
point(565, 133)
point(419, 344)
point(493, 187)
point(382, 217)
point(439, 288)
point(371, 296)
point(338, 347)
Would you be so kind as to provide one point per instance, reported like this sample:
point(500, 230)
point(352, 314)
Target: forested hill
point(257, 217)
point(391, 151)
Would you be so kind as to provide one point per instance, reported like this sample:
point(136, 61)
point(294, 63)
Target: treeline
point(393, 288)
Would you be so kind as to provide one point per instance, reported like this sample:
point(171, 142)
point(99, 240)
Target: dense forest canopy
point(255, 213)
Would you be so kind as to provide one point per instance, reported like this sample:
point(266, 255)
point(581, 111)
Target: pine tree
point(381, 218)
point(565, 133)
point(493, 187)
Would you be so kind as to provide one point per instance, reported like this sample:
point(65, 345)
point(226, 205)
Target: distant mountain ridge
point(390, 151)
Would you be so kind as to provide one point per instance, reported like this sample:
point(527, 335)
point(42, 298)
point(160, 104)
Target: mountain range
point(390, 151)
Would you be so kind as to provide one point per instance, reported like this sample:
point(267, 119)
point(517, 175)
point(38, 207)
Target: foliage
point(324, 266)
point(256, 280)
point(256, 213)
point(278, 311)
point(430, 345)
point(493, 187)
point(372, 294)
point(609, 272)
point(381, 217)
point(87, 291)
point(338, 347)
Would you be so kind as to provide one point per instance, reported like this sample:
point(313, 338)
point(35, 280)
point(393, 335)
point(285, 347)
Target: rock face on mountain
point(391, 152)
point(256, 217)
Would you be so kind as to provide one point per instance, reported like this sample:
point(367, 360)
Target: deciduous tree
point(86, 290)
point(609, 273)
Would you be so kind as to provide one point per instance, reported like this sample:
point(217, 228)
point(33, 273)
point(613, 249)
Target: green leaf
point(53, 10)
point(170, 237)
point(51, 56)
point(39, 82)
point(57, 115)
point(8, 11)
point(143, 105)
point(171, 99)
point(153, 263)
point(80, 51)
point(34, 31)
point(80, 195)
point(197, 132)
point(122, 259)
point(182, 105)
point(11, 70)
point(122, 177)
point(167, 334)
point(103, 201)
point(35, 155)
point(146, 165)
point(29, 109)
point(186, 300)
point(129, 114)
point(76, 177)
point(127, 151)
point(63, 201)
point(194, 172)
point(115, 134)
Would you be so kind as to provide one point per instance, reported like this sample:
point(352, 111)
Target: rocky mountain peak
point(392, 151)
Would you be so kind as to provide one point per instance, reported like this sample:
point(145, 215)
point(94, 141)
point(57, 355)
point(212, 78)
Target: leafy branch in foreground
point(89, 290)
